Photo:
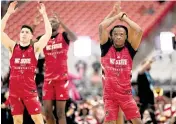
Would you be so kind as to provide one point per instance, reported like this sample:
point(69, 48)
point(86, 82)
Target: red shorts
point(125, 102)
point(55, 90)
point(32, 104)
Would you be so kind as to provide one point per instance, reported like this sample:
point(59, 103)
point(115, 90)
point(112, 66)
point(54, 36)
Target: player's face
point(54, 24)
point(25, 35)
point(119, 36)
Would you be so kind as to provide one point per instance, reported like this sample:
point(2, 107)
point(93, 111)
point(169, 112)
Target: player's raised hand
point(117, 7)
point(120, 15)
point(42, 8)
point(12, 7)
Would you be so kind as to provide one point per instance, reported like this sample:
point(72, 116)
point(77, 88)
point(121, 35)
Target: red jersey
point(56, 57)
point(116, 67)
point(22, 71)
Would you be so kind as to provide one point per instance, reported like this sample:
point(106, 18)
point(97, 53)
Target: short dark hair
point(28, 27)
point(119, 26)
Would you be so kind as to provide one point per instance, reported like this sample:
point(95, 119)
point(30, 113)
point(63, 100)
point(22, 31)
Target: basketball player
point(116, 9)
point(23, 61)
point(55, 82)
point(117, 51)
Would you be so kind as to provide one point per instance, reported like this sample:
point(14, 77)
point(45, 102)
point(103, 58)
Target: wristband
point(123, 16)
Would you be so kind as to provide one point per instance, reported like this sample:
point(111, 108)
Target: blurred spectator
point(165, 107)
point(84, 116)
point(81, 65)
point(5, 79)
point(6, 117)
point(98, 113)
point(73, 92)
point(96, 77)
point(71, 108)
point(146, 117)
point(5, 108)
point(145, 93)
point(83, 85)
point(96, 66)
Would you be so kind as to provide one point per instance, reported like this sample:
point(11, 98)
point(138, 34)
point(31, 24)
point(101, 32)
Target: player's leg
point(110, 122)
point(136, 121)
point(120, 119)
point(61, 88)
point(111, 109)
point(37, 118)
point(60, 105)
point(48, 110)
point(18, 119)
point(17, 109)
point(48, 97)
point(130, 109)
point(33, 106)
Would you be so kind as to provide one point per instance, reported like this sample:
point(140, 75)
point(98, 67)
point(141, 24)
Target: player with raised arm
point(56, 72)
point(23, 62)
point(118, 49)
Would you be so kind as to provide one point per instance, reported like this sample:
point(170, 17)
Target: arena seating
point(84, 17)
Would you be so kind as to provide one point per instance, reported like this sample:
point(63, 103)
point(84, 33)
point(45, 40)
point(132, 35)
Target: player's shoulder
point(65, 36)
point(105, 47)
point(131, 50)
point(15, 46)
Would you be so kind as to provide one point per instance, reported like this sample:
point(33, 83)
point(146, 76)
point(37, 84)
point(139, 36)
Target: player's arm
point(70, 34)
point(6, 41)
point(103, 32)
point(48, 30)
point(36, 21)
point(135, 32)
point(114, 15)
point(116, 9)
point(110, 15)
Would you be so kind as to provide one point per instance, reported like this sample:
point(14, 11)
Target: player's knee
point(38, 119)
point(60, 114)
point(49, 116)
point(18, 121)
point(137, 121)
point(48, 112)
